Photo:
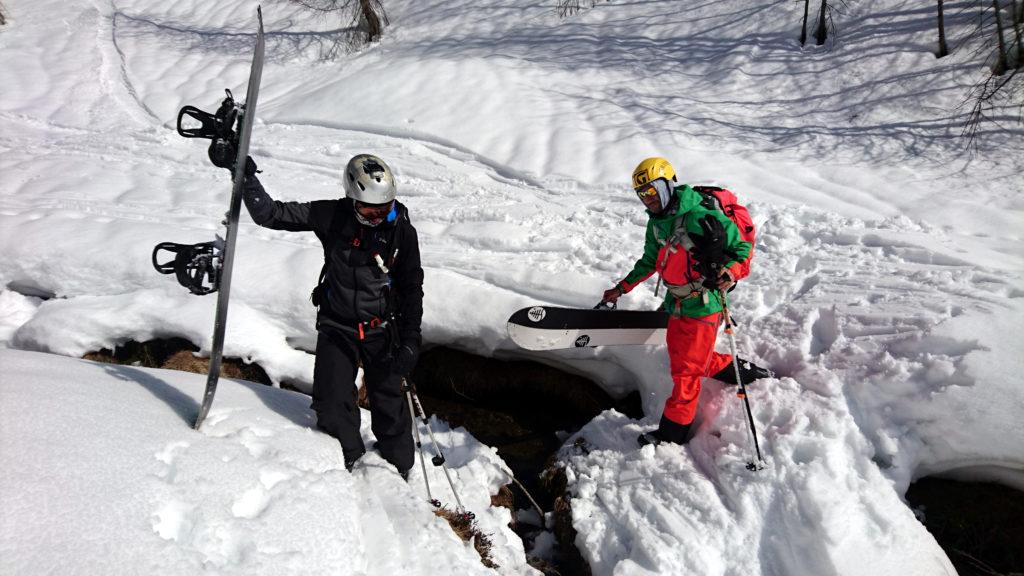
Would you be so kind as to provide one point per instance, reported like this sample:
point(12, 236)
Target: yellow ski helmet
point(650, 170)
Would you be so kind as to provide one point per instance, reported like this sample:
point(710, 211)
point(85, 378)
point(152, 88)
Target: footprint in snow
point(252, 503)
point(174, 520)
point(169, 457)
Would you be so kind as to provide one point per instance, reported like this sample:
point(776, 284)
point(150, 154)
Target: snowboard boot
point(748, 372)
point(668, 431)
point(352, 457)
point(648, 438)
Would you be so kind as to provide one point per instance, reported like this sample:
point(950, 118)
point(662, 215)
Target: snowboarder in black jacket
point(369, 303)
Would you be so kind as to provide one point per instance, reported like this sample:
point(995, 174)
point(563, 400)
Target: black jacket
point(357, 288)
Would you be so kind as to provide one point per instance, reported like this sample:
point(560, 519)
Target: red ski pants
point(691, 354)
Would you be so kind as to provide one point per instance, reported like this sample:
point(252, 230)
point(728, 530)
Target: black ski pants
point(335, 396)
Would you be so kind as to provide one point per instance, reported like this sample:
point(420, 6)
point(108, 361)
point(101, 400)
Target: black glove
point(250, 167)
point(709, 250)
point(405, 359)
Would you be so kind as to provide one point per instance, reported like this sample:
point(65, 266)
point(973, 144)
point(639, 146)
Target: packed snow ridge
point(887, 289)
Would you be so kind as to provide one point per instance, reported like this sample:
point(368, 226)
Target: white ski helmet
point(369, 180)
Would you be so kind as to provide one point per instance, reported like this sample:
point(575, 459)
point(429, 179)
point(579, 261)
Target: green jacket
point(661, 227)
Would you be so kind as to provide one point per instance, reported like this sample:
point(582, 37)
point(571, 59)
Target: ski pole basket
point(196, 266)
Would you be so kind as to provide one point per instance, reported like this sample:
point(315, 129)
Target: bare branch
point(370, 14)
point(565, 8)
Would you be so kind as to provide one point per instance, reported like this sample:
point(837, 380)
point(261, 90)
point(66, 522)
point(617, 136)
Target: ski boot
point(648, 438)
point(668, 431)
point(748, 372)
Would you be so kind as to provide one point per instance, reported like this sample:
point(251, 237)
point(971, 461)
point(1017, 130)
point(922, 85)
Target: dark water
point(979, 525)
point(523, 409)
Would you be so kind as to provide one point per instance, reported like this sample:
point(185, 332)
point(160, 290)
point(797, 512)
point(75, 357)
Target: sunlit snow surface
point(887, 289)
point(105, 476)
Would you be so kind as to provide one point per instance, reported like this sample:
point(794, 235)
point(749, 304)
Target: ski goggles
point(653, 188)
point(374, 214)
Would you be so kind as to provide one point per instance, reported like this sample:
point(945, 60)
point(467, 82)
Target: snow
point(110, 477)
point(886, 293)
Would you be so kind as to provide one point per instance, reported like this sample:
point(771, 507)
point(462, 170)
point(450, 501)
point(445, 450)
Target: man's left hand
point(725, 280)
point(405, 359)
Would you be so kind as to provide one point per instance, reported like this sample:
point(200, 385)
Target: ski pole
point(439, 459)
point(742, 390)
point(419, 443)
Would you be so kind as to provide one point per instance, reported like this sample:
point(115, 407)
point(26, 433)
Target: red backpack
point(716, 198)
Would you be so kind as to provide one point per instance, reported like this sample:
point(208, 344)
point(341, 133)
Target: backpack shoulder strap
point(333, 229)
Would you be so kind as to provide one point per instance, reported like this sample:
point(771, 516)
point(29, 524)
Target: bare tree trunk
point(367, 16)
point(1001, 64)
point(1018, 22)
point(943, 47)
point(803, 29)
point(373, 25)
point(1004, 86)
point(822, 32)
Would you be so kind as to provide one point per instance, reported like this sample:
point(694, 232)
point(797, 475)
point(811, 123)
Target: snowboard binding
point(196, 266)
point(218, 127)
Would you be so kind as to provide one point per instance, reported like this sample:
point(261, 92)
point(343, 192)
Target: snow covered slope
point(887, 290)
point(103, 475)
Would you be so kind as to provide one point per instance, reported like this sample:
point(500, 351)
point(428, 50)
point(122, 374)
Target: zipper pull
point(380, 262)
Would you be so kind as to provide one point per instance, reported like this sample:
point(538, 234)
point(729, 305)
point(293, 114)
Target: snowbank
point(103, 474)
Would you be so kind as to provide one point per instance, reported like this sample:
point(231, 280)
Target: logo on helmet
point(373, 168)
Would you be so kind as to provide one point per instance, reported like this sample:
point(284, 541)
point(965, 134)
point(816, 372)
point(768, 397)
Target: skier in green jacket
point(699, 254)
